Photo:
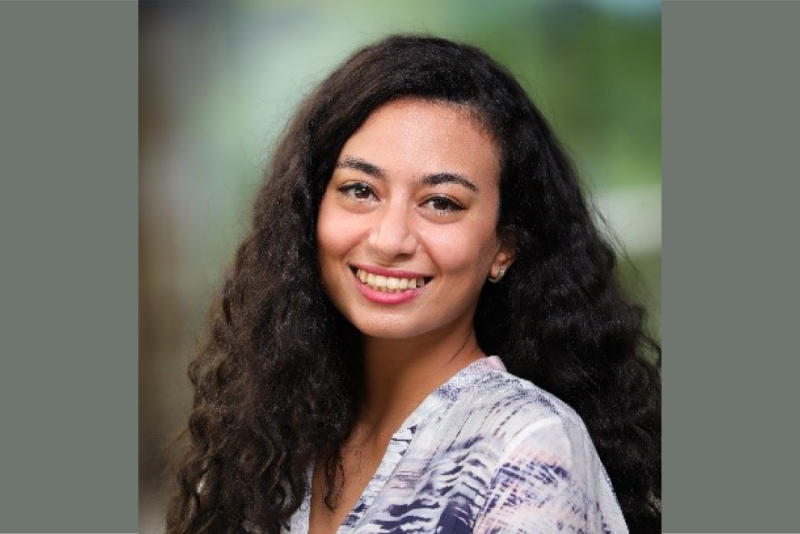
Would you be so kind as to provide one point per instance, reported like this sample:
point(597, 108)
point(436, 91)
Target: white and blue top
point(486, 452)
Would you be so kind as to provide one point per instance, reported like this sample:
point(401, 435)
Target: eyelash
point(452, 206)
point(350, 189)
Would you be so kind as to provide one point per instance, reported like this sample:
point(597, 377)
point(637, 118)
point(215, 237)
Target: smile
point(385, 289)
point(388, 284)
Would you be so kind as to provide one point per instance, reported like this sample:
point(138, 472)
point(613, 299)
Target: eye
point(357, 191)
point(443, 204)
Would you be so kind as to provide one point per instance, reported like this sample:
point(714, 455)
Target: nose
point(393, 234)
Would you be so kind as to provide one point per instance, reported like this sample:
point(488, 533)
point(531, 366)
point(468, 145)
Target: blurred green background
point(219, 80)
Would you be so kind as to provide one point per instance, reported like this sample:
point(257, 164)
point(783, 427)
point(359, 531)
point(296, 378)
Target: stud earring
point(499, 276)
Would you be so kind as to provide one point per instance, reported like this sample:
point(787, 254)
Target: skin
point(380, 210)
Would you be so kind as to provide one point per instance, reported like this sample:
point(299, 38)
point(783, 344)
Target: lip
point(387, 298)
point(391, 272)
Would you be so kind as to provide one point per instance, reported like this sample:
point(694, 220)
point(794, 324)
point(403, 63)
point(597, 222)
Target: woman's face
point(406, 229)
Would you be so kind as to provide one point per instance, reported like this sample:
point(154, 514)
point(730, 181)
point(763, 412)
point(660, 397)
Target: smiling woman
point(413, 202)
point(423, 332)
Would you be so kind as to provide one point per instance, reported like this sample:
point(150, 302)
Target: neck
point(400, 373)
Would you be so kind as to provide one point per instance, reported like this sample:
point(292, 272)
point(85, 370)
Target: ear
point(506, 253)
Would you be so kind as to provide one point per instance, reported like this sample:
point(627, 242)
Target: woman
point(423, 332)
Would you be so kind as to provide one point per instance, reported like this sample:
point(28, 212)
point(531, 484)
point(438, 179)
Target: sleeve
point(550, 479)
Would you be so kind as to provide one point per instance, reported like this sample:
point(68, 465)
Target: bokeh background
point(220, 79)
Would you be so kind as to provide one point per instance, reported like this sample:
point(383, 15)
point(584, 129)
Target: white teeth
point(388, 284)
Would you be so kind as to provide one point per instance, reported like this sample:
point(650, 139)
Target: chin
point(388, 329)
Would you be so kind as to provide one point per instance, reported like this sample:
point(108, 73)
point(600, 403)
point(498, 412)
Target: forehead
point(411, 136)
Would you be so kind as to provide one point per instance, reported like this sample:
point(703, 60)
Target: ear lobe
point(504, 258)
point(508, 250)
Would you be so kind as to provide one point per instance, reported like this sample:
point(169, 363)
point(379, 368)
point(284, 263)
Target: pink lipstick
point(386, 286)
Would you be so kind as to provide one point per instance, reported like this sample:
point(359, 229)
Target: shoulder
point(507, 408)
point(546, 473)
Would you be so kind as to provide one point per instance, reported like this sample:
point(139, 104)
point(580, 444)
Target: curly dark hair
point(278, 381)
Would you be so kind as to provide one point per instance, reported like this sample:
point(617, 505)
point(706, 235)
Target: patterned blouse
point(486, 452)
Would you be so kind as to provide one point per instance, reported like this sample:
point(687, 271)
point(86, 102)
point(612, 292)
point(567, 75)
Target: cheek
point(327, 244)
point(335, 234)
point(468, 252)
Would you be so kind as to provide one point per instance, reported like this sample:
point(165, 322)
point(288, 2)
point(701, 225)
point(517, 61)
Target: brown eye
point(361, 192)
point(443, 204)
point(357, 191)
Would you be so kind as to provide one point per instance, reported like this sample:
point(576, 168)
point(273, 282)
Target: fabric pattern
point(486, 452)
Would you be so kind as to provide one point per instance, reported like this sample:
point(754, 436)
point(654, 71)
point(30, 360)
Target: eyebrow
point(429, 179)
point(360, 165)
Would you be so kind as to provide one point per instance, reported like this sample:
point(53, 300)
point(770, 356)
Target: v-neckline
point(398, 445)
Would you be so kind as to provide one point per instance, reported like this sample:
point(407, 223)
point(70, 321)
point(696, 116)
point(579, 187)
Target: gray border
point(68, 287)
point(731, 77)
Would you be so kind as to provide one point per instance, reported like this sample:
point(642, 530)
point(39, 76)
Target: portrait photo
point(400, 267)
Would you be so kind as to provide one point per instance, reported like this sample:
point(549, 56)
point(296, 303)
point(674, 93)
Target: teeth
point(388, 284)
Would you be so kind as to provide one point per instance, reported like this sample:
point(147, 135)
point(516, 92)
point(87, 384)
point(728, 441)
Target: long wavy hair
point(277, 383)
